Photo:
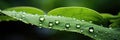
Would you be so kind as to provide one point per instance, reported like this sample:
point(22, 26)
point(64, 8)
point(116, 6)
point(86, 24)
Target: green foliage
point(26, 9)
point(21, 9)
point(107, 17)
point(69, 24)
point(80, 13)
point(6, 18)
point(115, 22)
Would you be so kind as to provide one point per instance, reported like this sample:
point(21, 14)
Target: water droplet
point(45, 15)
point(40, 27)
point(91, 29)
point(23, 16)
point(90, 21)
point(110, 27)
point(95, 35)
point(57, 22)
point(0, 10)
point(78, 26)
point(41, 19)
point(82, 20)
point(59, 16)
point(74, 18)
point(40, 24)
point(67, 25)
point(81, 31)
point(50, 24)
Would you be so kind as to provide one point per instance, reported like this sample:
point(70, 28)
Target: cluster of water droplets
point(67, 25)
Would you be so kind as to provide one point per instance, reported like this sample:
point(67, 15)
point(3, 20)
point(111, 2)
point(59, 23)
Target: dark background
point(102, 6)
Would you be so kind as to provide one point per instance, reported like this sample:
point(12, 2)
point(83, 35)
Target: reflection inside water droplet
point(78, 26)
point(50, 24)
point(91, 29)
point(57, 22)
point(41, 19)
point(67, 25)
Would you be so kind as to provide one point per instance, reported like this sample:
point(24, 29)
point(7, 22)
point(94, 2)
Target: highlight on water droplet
point(82, 20)
point(57, 22)
point(40, 24)
point(77, 26)
point(90, 21)
point(41, 19)
point(50, 24)
point(81, 31)
point(91, 29)
point(67, 25)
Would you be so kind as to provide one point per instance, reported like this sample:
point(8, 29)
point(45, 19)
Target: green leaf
point(21, 9)
point(26, 9)
point(6, 18)
point(107, 17)
point(67, 24)
point(80, 13)
point(115, 21)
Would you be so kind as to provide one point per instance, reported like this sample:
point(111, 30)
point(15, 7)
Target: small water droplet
point(82, 20)
point(74, 18)
point(40, 27)
point(77, 26)
point(50, 24)
point(81, 31)
point(90, 21)
point(40, 24)
point(91, 29)
point(57, 22)
point(23, 16)
point(36, 14)
point(45, 15)
point(67, 25)
point(41, 19)
point(0, 10)
point(110, 27)
point(95, 35)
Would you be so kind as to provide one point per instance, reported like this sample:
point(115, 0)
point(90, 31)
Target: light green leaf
point(26, 9)
point(80, 13)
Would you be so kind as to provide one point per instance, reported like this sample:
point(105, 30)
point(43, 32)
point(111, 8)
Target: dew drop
point(74, 18)
point(40, 24)
point(41, 19)
point(77, 26)
point(95, 35)
point(50, 24)
point(82, 20)
point(81, 31)
point(0, 10)
point(57, 22)
point(91, 29)
point(90, 21)
point(67, 25)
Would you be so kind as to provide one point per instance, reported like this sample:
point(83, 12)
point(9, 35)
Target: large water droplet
point(50, 24)
point(77, 26)
point(57, 22)
point(41, 19)
point(91, 29)
point(67, 25)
